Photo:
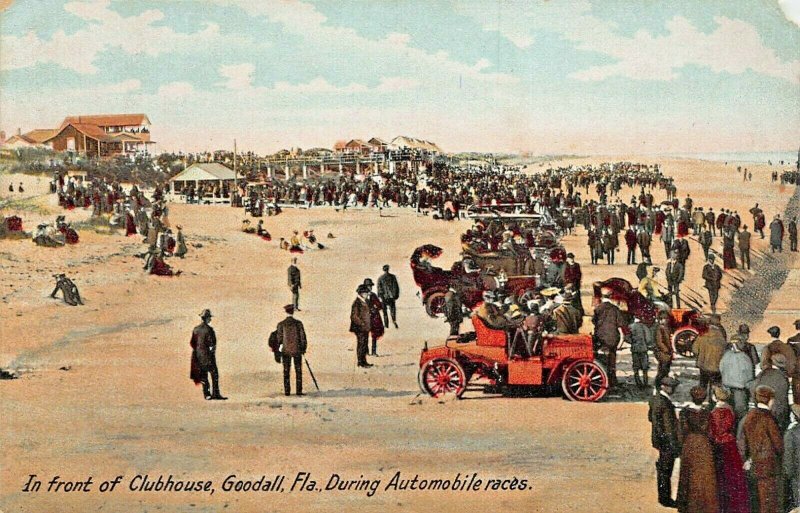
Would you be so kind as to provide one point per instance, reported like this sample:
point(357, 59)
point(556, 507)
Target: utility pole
point(235, 169)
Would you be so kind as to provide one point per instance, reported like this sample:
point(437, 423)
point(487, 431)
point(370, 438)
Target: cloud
point(302, 19)
point(321, 85)
point(239, 76)
point(126, 86)
point(734, 46)
point(106, 29)
point(791, 9)
point(175, 90)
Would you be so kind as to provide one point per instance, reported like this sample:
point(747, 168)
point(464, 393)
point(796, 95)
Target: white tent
point(201, 172)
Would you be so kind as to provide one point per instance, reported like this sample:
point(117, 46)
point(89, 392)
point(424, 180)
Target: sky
point(545, 77)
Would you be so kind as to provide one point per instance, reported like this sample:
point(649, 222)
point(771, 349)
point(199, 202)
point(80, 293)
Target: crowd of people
point(130, 210)
point(734, 456)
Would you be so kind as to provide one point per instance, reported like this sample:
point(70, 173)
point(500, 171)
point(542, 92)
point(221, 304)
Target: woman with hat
point(697, 484)
point(734, 496)
point(377, 328)
point(181, 242)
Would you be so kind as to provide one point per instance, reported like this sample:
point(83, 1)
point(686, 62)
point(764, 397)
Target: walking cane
point(313, 378)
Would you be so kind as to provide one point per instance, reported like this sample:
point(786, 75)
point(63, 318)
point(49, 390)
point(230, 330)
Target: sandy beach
point(103, 389)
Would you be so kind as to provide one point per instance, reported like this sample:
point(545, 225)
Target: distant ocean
point(761, 157)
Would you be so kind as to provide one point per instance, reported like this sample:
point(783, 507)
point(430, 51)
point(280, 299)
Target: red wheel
point(441, 377)
point(434, 304)
point(683, 340)
point(585, 381)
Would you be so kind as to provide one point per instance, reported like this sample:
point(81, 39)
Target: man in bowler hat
point(360, 324)
point(292, 343)
point(204, 358)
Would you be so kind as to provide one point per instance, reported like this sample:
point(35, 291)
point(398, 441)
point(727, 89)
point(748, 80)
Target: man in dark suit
point(712, 276)
point(204, 359)
point(665, 438)
point(360, 324)
point(453, 310)
point(608, 320)
point(294, 284)
point(292, 343)
point(675, 274)
point(744, 247)
point(630, 242)
point(388, 293)
point(761, 445)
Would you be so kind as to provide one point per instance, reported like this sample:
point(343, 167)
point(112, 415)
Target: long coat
point(776, 233)
point(760, 440)
point(568, 319)
point(204, 343)
point(607, 320)
point(453, 307)
point(388, 287)
point(376, 327)
point(292, 336)
point(791, 463)
point(294, 278)
point(664, 425)
point(360, 319)
point(777, 381)
point(731, 480)
point(697, 485)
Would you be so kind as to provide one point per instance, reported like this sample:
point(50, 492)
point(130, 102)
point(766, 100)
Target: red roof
point(93, 131)
point(39, 135)
point(107, 120)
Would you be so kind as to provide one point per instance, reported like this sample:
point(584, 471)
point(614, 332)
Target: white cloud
point(734, 46)
point(239, 76)
point(126, 86)
point(107, 29)
point(791, 9)
point(175, 90)
point(320, 85)
point(303, 19)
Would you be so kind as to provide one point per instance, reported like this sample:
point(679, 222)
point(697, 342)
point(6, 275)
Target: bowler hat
point(386, 267)
point(289, 309)
point(206, 314)
point(362, 289)
point(368, 282)
point(774, 331)
point(669, 381)
point(764, 394)
point(721, 393)
point(570, 255)
point(698, 394)
point(778, 360)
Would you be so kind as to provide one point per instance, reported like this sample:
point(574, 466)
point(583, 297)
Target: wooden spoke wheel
point(434, 305)
point(683, 341)
point(441, 377)
point(525, 296)
point(585, 381)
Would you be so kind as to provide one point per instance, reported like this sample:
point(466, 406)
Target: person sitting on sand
point(246, 228)
point(264, 234)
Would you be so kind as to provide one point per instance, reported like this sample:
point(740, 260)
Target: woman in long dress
point(697, 485)
point(728, 255)
point(731, 482)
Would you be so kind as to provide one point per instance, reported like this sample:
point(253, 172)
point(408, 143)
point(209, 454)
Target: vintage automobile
point(686, 324)
point(473, 282)
point(489, 359)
